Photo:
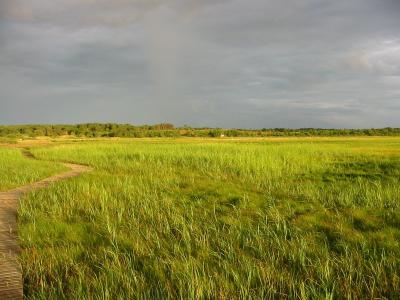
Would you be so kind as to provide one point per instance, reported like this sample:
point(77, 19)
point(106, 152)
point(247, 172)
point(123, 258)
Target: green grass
point(190, 219)
point(17, 170)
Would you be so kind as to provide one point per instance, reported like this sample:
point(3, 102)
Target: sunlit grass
point(304, 218)
point(17, 170)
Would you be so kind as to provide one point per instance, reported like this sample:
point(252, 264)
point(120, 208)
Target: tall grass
point(304, 219)
point(17, 170)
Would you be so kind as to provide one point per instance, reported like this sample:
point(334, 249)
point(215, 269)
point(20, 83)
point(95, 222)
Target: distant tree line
point(168, 130)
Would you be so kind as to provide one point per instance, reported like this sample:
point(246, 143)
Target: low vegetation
point(302, 219)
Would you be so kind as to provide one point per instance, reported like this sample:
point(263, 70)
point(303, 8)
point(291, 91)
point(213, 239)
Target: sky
point(219, 63)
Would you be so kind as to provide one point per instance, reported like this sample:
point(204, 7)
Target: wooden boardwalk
point(11, 286)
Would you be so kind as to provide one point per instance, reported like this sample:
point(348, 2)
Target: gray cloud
point(229, 63)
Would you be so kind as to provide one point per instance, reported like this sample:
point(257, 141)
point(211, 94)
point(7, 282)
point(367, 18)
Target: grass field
point(17, 170)
point(214, 219)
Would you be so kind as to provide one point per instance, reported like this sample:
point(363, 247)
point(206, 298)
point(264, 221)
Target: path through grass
point(17, 170)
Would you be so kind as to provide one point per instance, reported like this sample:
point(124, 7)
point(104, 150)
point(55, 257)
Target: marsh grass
point(217, 220)
point(17, 170)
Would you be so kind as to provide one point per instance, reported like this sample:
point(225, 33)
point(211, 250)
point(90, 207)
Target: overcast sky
point(226, 63)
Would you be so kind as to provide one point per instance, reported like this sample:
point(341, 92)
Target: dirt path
point(11, 286)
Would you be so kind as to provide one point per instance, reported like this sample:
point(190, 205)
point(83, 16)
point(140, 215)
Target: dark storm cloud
point(232, 63)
